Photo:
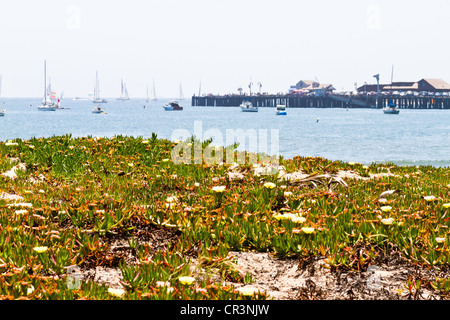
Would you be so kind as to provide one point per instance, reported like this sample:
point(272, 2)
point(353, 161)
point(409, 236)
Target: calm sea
point(414, 137)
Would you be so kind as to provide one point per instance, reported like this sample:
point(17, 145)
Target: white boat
point(97, 109)
point(153, 98)
point(247, 106)
point(123, 91)
point(181, 94)
point(97, 98)
point(391, 109)
point(281, 110)
point(148, 99)
point(172, 106)
point(47, 104)
point(2, 112)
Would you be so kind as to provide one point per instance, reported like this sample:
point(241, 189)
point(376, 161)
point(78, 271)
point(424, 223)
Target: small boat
point(391, 109)
point(2, 112)
point(247, 106)
point(281, 110)
point(172, 106)
point(47, 104)
point(97, 109)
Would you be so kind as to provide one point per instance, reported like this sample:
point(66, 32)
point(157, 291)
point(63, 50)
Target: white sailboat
point(148, 99)
point(47, 104)
point(123, 91)
point(97, 98)
point(153, 98)
point(2, 110)
point(181, 97)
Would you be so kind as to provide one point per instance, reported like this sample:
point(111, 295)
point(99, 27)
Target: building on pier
point(423, 85)
point(313, 87)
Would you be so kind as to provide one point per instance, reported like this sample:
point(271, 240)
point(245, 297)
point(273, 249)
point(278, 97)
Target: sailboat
point(2, 111)
point(392, 108)
point(181, 97)
point(154, 92)
point(148, 99)
point(47, 104)
point(97, 98)
point(123, 91)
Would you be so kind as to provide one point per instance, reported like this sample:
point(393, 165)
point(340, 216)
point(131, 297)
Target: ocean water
point(413, 137)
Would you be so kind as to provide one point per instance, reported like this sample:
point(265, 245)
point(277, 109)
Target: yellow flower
point(131, 164)
point(279, 216)
point(365, 167)
point(387, 221)
point(308, 230)
point(165, 160)
point(219, 188)
point(440, 240)
point(446, 205)
point(144, 141)
point(186, 280)
point(116, 292)
point(386, 208)
point(351, 163)
point(40, 249)
point(269, 185)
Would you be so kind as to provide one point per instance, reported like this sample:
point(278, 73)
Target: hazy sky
point(222, 44)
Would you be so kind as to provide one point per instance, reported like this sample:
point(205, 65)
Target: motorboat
point(247, 106)
point(97, 109)
point(2, 112)
point(281, 110)
point(391, 109)
point(172, 106)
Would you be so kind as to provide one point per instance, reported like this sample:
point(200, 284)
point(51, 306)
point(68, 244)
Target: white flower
point(387, 221)
point(269, 185)
point(219, 188)
point(40, 249)
point(186, 280)
point(440, 240)
point(116, 292)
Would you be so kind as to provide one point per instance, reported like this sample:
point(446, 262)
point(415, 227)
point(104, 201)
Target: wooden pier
point(326, 101)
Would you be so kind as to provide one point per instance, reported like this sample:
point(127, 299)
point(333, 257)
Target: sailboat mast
point(392, 75)
point(45, 80)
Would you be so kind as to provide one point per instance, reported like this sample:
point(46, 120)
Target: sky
point(216, 46)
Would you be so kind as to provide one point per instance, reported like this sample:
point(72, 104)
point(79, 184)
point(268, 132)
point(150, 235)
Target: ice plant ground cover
point(81, 194)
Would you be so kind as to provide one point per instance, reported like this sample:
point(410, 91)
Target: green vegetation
point(79, 194)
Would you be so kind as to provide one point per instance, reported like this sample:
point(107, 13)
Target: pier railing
point(324, 101)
